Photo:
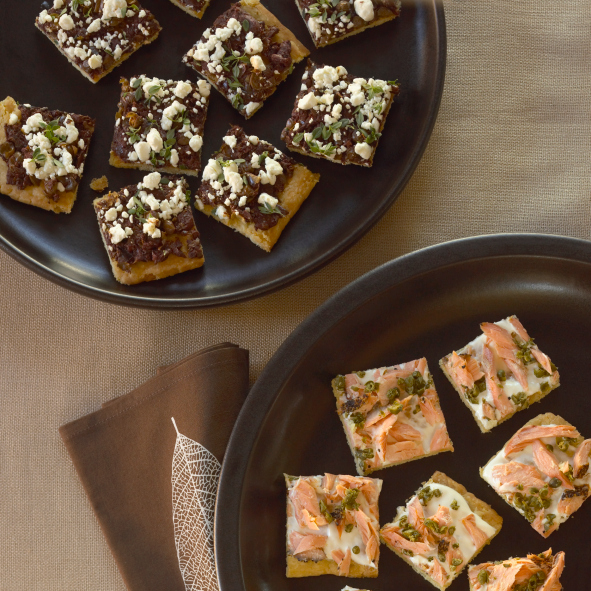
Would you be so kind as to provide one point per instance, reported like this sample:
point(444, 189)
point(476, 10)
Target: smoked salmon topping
point(543, 472)
point(437, 532)
point(391, 415)
point(537, 572)
point(500, 372)
point(333, 517)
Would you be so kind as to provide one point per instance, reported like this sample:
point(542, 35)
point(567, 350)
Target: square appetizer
point(537, 572)
point(391, 415)
point(441, 529)
point(195, 8)
point(148, 229)
point(252, 187)
point(97, 36)
point(332, 526)
point(246, 54)
point(500, 372)
point(330, 21)
point(42, 154)
point(159, 125)
point(337, 116)
point(543, 472)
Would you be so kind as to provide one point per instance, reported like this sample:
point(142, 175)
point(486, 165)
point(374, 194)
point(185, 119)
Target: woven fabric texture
point(511, 151)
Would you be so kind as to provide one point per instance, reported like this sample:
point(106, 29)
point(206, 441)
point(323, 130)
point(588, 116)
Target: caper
point(349, 528)
point(339, 383)
point(555, 482)
point(355, 550)
point(393, 394)
point(483, 577)
point(501, 375)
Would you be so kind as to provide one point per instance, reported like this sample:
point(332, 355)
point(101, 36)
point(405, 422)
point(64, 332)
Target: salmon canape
point(391, 415)
point(500, 372)
point(542, 471)
point(441, 529)
point(537, 572)
point(332, 526)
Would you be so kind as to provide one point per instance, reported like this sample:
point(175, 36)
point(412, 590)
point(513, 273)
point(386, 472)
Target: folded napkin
point(124, 453)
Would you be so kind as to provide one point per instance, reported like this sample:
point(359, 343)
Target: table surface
point(510, 152)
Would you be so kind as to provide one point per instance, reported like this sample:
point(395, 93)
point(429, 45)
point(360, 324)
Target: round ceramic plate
point(346, 203)
point(424, 304)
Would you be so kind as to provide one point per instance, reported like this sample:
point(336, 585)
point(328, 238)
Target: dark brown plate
point(347, 202)
point(426, 303)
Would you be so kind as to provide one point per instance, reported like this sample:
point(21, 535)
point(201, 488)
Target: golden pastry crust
point(31, 195)
point(296, 191)
point(99, 184)
point(299, 568)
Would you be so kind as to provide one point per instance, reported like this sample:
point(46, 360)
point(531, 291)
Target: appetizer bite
point(159, 125)
point(42, 154)
point(97, 36)
point(245, 55)
point(195, 8)
point(542, 471)
point(330, 21)
point(391, 415)
point(337, 116)
point(332, 526)
point(537, 572)
point(252, 187)
point(500, 372)
point(441, 529)
point(148, 229)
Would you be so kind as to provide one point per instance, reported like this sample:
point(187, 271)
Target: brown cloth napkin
point(123, 455)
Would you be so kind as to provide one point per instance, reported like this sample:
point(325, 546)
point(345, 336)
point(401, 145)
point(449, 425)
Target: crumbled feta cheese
point(155, 140)
point(95, 61)
point(182, 89)
point(364, 150)
point(327, 76)
point(212, 171)
point(221, 212)
point(142, 149)
point(251, 107)
point(204, 88)
point(152, 203)
point(66, 22)
point(58, 3)
point(170, 113)
point(234, 180)
point(13, 119)
point(265, 198)
point(195, 143)
point(94, 26)
point(254, 45)
point(364, 8)
point(256, 61)
point(174, 157)
point(152, 180)
point(230, 140)
point(117, 234)
point(111, 214)
point(149, 227)
point(113, 8)
point(45, 17)
point(307, 102)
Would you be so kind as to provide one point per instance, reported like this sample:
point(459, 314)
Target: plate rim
point(242, 295)
point(344, 302)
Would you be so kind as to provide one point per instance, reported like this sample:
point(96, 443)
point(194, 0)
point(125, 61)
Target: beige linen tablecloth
point(511, 151)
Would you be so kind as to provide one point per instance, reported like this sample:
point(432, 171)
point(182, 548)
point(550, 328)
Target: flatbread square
point(500, 372)
point(391, 415)
point(42, 154)
point(441, 529)
point(148, 229)
point(96, 37)
point(252, 187)
point(330, 21)
point(159, 125)
point(246, 54)
point(332, 526)
point(542, 472)
point(337, 116)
